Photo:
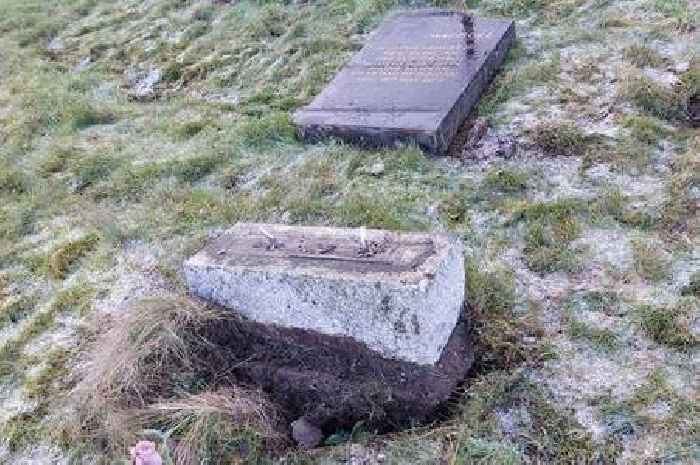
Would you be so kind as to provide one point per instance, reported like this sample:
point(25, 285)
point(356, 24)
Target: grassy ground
point(583, 250)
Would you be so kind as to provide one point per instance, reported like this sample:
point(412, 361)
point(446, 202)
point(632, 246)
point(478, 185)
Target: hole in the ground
point(336, 383)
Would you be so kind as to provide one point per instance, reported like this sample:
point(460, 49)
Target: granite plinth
point(398, 294)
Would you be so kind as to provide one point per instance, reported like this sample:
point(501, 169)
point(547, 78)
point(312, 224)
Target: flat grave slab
point(415, 80)
point(399, 294)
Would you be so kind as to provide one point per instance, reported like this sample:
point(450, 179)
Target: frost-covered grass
point(582, 251)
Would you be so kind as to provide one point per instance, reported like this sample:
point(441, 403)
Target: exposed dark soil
point(335, 382)
point(694, 110)
point(459, 142)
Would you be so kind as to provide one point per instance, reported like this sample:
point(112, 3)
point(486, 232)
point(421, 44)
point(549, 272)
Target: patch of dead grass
point(220, 426)
point(680, 211)
point(560, 139)
point(154, 369)
point(63, 257)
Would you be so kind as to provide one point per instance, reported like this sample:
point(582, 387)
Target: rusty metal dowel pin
point(468, 25)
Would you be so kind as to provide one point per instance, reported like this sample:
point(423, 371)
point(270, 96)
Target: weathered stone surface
point(144, 453)
point(143, 84)
point(399, 294)
point(306, 434)
point(414, 81)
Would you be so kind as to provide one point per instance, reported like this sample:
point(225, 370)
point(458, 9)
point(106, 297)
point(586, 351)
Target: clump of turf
point(651, 262)
point(491, 297)
point(547, 249)
point(454, 207)
point(642, 55)
point(680, 209)
point(12, 181)
point(143, 350)
point(506, 180)
point(225, 425)
point(560, 139)
point(552, 226)
point(63, 257)
point(15, 309)
point(56, 160)
point(90, 169)
point(268, 129)
point(153, 372)
point(645, 129)
point(693, 287)
point(670, 325)
point(661, 101)
point(603, 339)
point(189, 129)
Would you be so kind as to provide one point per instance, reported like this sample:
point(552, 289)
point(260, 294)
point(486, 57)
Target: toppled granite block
point(399, 295)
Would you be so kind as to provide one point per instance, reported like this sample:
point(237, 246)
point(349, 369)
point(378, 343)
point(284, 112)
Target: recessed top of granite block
point(413, 81)
point(400, 294)
point(327, 252)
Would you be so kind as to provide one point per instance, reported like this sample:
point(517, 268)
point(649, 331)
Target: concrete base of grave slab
point(399, 293)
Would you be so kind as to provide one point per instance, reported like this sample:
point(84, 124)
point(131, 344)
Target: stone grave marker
point(400, 294)
point(416, 80)
point(340, 325)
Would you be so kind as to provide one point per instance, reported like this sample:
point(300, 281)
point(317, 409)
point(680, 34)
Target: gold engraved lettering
point(456, 35)
point(411, 64)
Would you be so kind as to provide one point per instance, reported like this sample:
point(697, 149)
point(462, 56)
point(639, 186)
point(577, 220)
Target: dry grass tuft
point(651, 261)
point(642, 55)
point(138, 357)
point(560, 138)
point(159, 350)
point(670, 325)
point(680, 211)
point(216, 426)
point(669, 103)
point(63, 257)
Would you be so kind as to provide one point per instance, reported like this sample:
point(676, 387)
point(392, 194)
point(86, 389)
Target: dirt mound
point(334, 382)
